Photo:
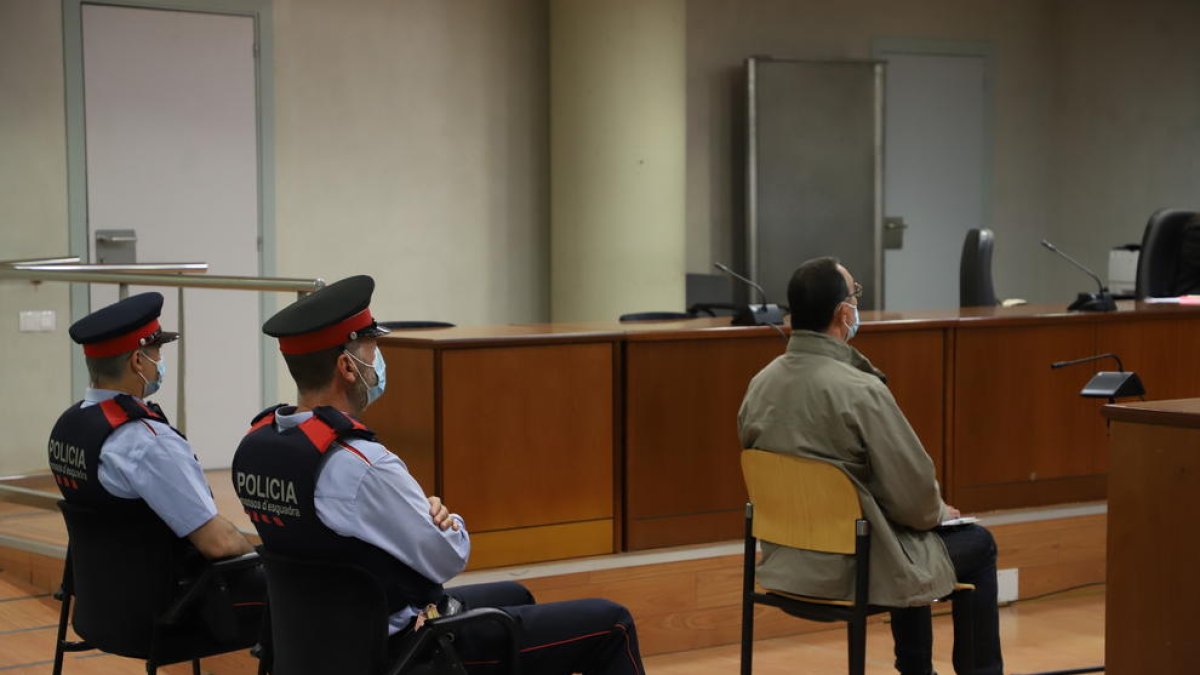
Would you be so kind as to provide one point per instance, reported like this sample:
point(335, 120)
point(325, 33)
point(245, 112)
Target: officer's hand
point(952, 512)
point(441, 514)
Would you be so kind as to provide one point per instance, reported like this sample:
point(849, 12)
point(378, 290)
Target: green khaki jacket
point(823, 399)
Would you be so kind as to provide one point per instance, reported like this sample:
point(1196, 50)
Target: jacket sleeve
point(901, 476)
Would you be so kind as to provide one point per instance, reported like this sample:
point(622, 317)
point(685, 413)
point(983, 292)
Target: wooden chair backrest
point(801, 503)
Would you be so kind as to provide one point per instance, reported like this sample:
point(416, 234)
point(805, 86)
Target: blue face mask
point(376, 390)
point(853, 324)
point(161, 366)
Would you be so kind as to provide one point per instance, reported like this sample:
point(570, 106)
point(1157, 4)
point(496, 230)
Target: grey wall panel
point(813, 178)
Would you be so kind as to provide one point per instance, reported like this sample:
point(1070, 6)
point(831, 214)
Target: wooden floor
point(1057, 632)
point(685, 607)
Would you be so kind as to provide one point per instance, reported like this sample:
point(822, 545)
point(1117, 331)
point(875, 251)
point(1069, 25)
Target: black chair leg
point(195, 666)
point(64, 615)
point(748, 558)
point(747, 634)
point(856, 639)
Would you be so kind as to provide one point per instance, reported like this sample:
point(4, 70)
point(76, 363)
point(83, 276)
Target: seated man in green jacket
point(823, 399)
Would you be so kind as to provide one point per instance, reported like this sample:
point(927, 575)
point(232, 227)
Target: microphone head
point(721, 266)
point(1048, 245)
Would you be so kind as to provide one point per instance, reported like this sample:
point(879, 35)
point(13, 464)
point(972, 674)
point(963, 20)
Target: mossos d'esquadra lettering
point(266, 487)
point(67, 454)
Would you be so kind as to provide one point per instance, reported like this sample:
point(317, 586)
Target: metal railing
point(174, 275)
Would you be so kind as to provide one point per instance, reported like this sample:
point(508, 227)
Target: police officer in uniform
point(317, 484)
point(116, 452)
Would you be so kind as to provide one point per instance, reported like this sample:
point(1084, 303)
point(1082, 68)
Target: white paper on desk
point(961, 520)
point(1162, 301)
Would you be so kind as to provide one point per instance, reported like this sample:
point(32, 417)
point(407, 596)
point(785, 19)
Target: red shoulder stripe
point(319, 433)
point(114, 413)
point(267, 419)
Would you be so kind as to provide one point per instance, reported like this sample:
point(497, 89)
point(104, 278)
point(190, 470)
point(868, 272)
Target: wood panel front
point(1022, 434)
point(1152, 549)
point(527, 436)
point(403, 418)
point(683, 480)
point(915, 364)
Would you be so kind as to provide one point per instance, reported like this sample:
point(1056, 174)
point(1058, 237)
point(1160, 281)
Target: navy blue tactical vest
point(275, 474)
point(75, 444)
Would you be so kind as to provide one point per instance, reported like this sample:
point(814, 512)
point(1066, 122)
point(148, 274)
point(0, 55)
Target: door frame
point(77, 207)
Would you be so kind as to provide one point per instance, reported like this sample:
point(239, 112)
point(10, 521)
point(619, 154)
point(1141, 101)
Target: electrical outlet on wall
point(37, 321)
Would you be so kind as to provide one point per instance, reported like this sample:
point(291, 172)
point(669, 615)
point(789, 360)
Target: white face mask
point(853, 325)
point(160, 365)
point(376, 390)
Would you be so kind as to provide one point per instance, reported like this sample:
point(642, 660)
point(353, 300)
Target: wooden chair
point(811, 505)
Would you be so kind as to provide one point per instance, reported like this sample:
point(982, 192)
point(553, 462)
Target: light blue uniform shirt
point(145, 459)
point(366, 492)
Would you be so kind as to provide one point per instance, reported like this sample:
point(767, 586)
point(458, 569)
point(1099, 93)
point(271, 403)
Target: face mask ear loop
point(361, 380)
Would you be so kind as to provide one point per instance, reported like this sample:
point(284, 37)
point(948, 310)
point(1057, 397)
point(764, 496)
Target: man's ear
point(345, 369)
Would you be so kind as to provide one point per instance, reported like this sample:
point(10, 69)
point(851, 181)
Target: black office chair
point(811, 505)
point(131, 597)
point(1169, 264)
point(331, 619)
point(408, 325)
point(975, 270)
point(655, 316)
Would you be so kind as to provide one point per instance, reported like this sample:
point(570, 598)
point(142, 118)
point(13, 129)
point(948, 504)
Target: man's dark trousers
point(973, 552)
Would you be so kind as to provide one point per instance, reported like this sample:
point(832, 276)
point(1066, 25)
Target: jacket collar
point(820, 344)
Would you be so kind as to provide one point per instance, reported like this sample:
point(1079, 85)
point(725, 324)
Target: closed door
point(171, 136)
point(934, 172)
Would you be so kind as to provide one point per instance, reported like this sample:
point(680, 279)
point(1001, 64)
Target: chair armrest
point(435, 628)
point(214, 570)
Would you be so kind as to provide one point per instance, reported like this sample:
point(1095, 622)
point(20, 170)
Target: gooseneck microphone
point(725, 268)
point(753, 315)
point(1104, 384)
point(1100, 301)
point(1088, 359)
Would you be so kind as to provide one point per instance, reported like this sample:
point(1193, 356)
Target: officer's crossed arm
point(441, 515)
point(218, 538)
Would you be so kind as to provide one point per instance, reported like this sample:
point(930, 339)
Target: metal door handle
point(115, 239)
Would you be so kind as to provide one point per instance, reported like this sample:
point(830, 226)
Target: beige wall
point(722, 33)
point(1097, 115)
point(617, 156)
point(412, 144)
point(1127, 125)
point(33, 222)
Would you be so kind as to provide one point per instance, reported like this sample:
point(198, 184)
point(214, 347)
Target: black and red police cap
point(122, 327)
point(330, 317)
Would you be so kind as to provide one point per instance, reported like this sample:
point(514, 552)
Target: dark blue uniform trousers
point(593, 637)
point(973, 552)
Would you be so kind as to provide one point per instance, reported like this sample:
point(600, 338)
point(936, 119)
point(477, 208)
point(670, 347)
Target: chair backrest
point(655, 316)
point(801, 503)
point(326, 618)
point(1169, 263)
point(123, 573)
point(975, 270)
